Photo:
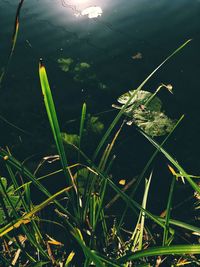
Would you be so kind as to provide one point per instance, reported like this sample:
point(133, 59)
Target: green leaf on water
point(145, 114)
point(94, 125)
point(65, 63)
point(83, 73)
point(81, 66)
point(140, 98)
point(70, 139)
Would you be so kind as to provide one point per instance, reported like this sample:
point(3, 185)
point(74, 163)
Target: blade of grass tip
point(158, 251)
point(144, 203)
point(14, 40)
point(168, 212)
point(174, 162)
point(139, 179)
point(81, 129)
point(116, 119)
point(83, 115)
point(51, 112)
point(16, 28)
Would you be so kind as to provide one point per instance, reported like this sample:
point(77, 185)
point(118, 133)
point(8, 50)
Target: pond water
point(120, 43)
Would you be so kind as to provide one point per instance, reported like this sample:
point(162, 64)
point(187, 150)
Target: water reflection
point(92, 12)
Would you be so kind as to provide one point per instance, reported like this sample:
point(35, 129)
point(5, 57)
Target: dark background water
point(108, 43)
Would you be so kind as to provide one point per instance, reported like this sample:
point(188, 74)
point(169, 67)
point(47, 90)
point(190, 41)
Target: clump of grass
point(90, 237)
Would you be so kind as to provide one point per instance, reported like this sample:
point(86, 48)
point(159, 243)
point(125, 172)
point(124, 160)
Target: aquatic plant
point(65, 63)
point(144, 110)
point(81, 72)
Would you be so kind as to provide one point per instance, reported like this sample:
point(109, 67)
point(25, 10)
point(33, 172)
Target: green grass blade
point(114, 122)
point(174, 162)
point(144, 203)
point(158, 251)
point(83, 116)
point(14, 40)
point(51, 112)
point(182, 225)
point(168, 212)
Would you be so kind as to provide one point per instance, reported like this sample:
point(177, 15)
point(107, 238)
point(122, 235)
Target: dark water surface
point(54, 29)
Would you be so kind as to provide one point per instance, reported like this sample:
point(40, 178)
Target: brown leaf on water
point(138, 55)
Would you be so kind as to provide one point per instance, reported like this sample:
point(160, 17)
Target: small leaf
point(65, 63)
point(69, 258)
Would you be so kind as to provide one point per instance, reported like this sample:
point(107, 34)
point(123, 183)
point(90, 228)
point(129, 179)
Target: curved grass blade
point(116, 119)
point(51, 112)
point(144, 203)
point(157, 251)
point(14, 39)
point(174, 162)
point(28, 216)
point(16, 28)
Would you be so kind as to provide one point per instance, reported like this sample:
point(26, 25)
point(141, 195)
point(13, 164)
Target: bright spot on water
point(92, 12)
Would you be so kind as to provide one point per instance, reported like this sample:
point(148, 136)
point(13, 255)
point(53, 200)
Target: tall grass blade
point(144, 203)
point(168, 212)
point(14, 40)
point(83, 116)
point(51, 112)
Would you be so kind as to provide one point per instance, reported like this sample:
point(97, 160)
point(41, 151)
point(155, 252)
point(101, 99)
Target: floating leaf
point(94, 125)
point(83, 73)
point(140, 98)
point(65, 63)
point(82, 66)
point(70, 138)
point(146, 113)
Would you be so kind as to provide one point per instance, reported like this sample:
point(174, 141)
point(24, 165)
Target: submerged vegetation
point(85, 228)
